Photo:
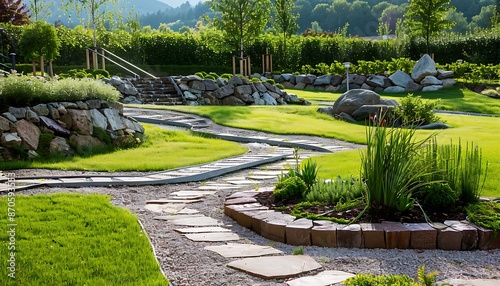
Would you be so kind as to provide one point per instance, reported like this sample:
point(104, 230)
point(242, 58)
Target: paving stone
point(232, 250)
point(202, 229)
point(448, 238)
point(472, 282)
point(197, 221)
point(244, 194)
point(328, 277)
point(212, 237)
point(422, 236)
point(164, 208)
point(273, 267)
point(219, 187)
point(373, 235)
point(182, 193)
point(324, 235)
point(268, 173)
point(188, 211)
point(172, 200)
point(262, 177)
point(257, 218)
point(469, 232)
point(397, 235)
point(174, 217)
point(274, 228)
point(349, 236)
point(243, 182)
point(298, 232)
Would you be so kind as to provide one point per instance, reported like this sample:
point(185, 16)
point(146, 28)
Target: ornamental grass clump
point(391, 167)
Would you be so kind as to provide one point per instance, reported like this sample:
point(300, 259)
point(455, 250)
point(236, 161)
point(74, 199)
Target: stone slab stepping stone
point(212, 237)
point(324, 278)
point(179, 216)
point(100, 179)
point(186, 197)
point(165, 208)
point(192, 193)
point(197, 221)
point(262, 177)
point(267, 173)
point(136, 179)
point(202, 229)
point(232, 250)
point(219, 187)
point(173, 200)
point(242, 182)
point(272, 267)
point(187, 211)
point(473, 282)
point(235, 179)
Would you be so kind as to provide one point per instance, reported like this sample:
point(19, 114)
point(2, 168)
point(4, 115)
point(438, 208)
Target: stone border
point(244, 208)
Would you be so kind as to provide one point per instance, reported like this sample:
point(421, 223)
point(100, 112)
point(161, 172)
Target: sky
point(177, 3)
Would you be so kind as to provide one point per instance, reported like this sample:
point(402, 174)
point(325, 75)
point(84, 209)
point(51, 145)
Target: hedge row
point(179, 49)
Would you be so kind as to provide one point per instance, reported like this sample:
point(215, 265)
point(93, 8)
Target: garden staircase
point(160, 91)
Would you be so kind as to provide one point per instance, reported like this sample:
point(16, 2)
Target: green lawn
point(162, 150)
point(305, 120)
point(74, 239)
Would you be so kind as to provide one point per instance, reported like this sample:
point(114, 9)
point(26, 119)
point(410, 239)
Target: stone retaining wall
point(244, 208)
point(71, 123)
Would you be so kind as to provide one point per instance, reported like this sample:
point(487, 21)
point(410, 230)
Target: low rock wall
point(71, 123)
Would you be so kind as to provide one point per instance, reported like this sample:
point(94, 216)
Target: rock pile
point(128, 92)
point(235, 91)
point(424, 77)
point(72, 124)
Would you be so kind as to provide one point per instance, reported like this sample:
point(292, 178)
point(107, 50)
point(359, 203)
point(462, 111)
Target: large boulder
point(41, 109)
point(4, 124)
point(394, 89)
point(413, 86)
point(81, 121)
point(268, 99)
point(85, 142)
point(365, 111)
point(425, 66)
point(210, 84)
point(54, 126)
point(430, 80)
point(98, 119)
point(232, 100)
point(323, 80)
point(400, 78)
point(376, 80)
point(29, 133)
point(353, 99)
point(18, 112)
point(10, 140)
point(224, 91)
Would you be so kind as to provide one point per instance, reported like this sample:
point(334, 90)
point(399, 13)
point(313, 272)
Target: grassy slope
point(162, 150)
point(305, 120)
point(71, 239)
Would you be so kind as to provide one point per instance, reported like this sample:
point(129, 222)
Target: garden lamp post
point(347, 65)
point(460, 61)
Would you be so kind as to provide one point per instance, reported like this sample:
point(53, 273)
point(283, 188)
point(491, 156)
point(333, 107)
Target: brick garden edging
point(244, 208)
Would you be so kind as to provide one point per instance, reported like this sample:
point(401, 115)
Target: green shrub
point(436, 196)
point(271, 81)
point(214, 75)
point(254, 79)
point(415, 111)
point(280, 86)
point(209, 76)
point(44, 143)
point(200, 74)
point(308, 173)
point(226, 76)
point(335, 191)
point(382, 280)
point(290, 189)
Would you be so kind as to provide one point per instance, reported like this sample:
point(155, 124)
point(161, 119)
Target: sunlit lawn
point(74, 239)
point(162, 150)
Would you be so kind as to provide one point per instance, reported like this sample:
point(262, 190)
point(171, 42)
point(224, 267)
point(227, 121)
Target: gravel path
point(188, 263)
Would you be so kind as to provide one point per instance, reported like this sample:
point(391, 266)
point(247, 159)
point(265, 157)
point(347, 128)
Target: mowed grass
point(162, 150)
point(74, 239)
point(305, 120)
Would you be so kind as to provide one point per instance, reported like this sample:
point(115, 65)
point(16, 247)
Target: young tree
point(41, 9)
point(94, 11)
point(14, 11)
point(427, 18)
point(39, 40)
point(285, 20)
point(241, 20)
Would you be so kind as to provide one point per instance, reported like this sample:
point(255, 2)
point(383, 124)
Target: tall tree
point(427, 18)
point(14, 11)
point(241, 20)
point(285, 20)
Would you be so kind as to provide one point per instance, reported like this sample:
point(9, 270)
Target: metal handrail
point(124, 61)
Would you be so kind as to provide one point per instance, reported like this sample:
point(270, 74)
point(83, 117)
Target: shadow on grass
point(450, 93)
point(226, 115)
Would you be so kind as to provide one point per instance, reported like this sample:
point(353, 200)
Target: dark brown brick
point(423, 236)
point(373, 235)
point(349, 236)
point(397, 235)
point(469, 232)
point(324, 235)
point(448, 238)
point(274, 227)
point(298, 232)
